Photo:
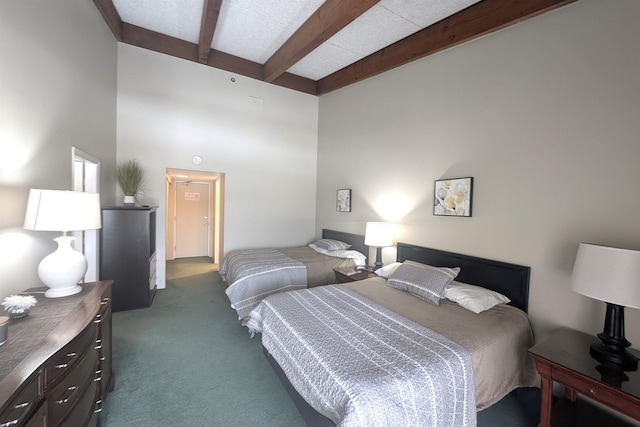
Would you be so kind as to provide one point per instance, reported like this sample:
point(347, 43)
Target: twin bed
point(370, 353)
point(254, 274)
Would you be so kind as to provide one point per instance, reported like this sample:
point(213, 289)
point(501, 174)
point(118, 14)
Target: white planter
point(129, 200)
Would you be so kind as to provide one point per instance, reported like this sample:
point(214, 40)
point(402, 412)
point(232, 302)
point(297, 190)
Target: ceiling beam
point(162, 43)
point(330, 18)
point(475, 21)
point(110, 16)
point(210, 13)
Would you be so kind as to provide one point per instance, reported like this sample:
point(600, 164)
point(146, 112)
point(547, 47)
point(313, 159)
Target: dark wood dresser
point(56, 367)
point(128, 255)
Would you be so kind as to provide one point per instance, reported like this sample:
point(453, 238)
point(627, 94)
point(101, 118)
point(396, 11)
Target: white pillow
point(359, 258)
point(388, 269)
point(473, 298)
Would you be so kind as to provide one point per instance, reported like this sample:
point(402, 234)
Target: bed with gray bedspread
point(254, 274)
point(355, 361)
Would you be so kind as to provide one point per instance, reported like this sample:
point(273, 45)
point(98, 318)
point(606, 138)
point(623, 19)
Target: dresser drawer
point(65, 360)
point(22, 404)
point(85, 408)
point(73, 387)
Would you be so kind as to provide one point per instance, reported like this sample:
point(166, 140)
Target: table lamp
point(611, 275)
point(379, 235)
point(54, 210)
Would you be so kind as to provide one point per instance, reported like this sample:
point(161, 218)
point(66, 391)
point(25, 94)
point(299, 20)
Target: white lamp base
point(63, 269)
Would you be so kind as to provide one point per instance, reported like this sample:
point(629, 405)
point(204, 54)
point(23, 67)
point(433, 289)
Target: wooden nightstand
point(564, 358)
point(344, 275)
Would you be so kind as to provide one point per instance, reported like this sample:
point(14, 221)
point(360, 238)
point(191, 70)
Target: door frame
point(210, 191)
point(85, 177)
point(216, 214)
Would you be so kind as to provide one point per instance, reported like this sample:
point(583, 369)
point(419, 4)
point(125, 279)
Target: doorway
point(194, 217)
point(193, 223)
point(85, 176)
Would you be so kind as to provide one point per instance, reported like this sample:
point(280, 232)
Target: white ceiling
point(255, 29)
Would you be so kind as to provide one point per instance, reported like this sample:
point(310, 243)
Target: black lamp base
point(618, 357)
point(378, 263)
point(613, 349)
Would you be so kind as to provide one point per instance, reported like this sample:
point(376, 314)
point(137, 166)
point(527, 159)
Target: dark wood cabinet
point(564, 358)
point(56, 364)
point(128, 255)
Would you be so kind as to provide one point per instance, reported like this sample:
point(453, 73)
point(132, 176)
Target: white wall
point(544, 115)
point(170, 110)
point(57, 90)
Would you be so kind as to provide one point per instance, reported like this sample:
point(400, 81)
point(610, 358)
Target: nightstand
point(344, 275)
point(564, 358)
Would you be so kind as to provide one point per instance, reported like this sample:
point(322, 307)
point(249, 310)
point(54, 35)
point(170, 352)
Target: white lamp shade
point(607, 274)
point(378, 234)
point(55, 210)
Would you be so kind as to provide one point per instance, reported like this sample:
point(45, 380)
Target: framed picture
point(343, 200)
point(453, 197)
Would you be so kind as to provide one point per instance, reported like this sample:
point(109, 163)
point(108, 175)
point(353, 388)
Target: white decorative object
point(54, 210)
point(19, 305)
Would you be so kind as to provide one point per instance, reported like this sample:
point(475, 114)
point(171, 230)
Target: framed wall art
point(343, 200)
point(453, 197)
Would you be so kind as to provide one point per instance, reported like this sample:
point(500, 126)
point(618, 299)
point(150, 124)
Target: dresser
point(56, 365)
point(128, 255)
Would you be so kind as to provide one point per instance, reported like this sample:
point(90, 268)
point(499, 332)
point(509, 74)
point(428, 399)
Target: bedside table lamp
point(378, 234)
point(54, 210)
point(611, 275)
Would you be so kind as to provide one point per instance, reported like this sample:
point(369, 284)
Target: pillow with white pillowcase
point(388, 269)
point(474, 298)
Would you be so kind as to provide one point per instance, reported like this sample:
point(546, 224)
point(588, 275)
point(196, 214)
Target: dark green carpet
point(186, 361)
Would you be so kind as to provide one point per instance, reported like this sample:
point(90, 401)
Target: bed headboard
point(509, 279)
point(355, 240)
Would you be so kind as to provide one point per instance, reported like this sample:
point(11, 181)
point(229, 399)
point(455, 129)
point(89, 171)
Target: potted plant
point(130, 176)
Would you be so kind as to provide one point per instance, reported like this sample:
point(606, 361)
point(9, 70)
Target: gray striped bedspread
point(361, 364)
point(254, 274)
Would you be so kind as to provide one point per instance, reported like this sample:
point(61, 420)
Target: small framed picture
point(343, 200)
point(453, 197)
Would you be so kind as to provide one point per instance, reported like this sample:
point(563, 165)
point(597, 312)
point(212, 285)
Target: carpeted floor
point(186, 361)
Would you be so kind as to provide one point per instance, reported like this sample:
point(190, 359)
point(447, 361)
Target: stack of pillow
point(338, 249)
point(435, 283)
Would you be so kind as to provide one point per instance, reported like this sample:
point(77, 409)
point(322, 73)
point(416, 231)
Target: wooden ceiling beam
point(330, 18)
point(210, 13)
point(475, 21)
point(151, 40)
point(110, 16)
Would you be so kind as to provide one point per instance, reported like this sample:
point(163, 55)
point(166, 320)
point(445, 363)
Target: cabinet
point(564, 358)
point(128, 255)
point(349, 274)
point(56, 364)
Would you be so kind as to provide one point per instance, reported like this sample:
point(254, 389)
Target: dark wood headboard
point(355, 240)
point(509, 279)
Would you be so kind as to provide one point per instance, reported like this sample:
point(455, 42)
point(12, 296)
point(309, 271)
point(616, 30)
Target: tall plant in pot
point(130, 176)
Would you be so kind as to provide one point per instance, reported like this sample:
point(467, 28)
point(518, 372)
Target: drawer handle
point(104, 301)
point(98, 372)
point(98, 345)
point(72, 355)
point(98, 318)
point(593, 391)
point(15, 421)
point(70, 392)
point(98, 407)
